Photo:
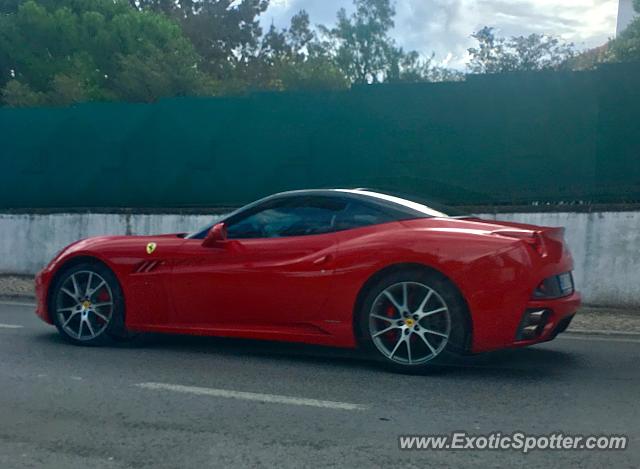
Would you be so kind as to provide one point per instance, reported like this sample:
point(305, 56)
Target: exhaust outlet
point(532, 324)
point(530, 332)
point(536, 317)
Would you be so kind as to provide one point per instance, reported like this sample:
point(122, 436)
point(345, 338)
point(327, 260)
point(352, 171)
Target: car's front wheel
point(410, 319)
point(86, 305)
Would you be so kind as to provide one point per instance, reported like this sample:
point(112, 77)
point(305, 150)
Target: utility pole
point(626, 14)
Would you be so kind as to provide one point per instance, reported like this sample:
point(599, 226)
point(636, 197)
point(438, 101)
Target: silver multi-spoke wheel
point(84, 305)
point(409, 323)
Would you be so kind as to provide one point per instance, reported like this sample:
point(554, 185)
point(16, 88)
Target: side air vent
point(147, 266)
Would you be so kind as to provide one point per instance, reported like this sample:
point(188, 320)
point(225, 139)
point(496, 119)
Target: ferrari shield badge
point(151, 247)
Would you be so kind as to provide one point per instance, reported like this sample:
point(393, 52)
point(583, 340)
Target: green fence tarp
point(494, 139)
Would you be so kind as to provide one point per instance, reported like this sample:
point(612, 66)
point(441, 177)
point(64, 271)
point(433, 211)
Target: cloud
point(320, 11)
point(445, 26)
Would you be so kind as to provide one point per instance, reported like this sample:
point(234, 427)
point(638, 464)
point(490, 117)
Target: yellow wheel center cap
point(86, 304)
point(409, 322)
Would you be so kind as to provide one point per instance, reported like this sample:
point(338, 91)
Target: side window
point(297, 216)
point(357, 215)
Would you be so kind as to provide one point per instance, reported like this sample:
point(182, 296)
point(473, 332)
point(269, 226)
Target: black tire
point(107, 322)
point(418, 333)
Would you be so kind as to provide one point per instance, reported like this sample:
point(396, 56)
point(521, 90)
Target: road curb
point(18, 299)
point(607, 333)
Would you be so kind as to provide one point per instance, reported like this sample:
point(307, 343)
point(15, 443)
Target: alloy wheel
point(84, 305)
point(409, 323)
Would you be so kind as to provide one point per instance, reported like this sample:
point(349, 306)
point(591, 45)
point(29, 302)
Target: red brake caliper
point(102, 297)
point(391, 336)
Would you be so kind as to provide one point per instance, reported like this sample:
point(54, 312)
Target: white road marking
point(10, 326)
point(251, 396)
point(18, 303)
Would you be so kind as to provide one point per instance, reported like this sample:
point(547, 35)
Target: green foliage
point(225, 33)
point(294, 58)
point(68, 51)
point(590, 59)
point(361, 46)
point(517, 54)
point(411, 67)
point(59, 52)
point(17, 94)
point(313, 74)
point(626, 47)
point(361, 43)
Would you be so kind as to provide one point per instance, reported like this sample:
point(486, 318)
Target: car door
point(274, 270)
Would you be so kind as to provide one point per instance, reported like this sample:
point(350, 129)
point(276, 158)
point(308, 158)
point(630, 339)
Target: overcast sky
point(444, 26)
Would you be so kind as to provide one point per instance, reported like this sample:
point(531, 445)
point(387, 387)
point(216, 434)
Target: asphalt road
point(202, 402)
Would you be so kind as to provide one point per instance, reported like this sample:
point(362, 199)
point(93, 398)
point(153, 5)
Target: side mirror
point(216, 236)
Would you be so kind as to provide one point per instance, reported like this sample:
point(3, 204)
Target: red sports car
point(346, 268)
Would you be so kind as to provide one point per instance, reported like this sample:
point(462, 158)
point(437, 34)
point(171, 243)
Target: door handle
point(323, 259)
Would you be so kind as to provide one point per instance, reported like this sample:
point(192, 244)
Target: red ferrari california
point(407, 282)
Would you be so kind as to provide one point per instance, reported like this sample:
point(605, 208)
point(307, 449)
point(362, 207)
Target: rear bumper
point(558, 314)
point(503, 328)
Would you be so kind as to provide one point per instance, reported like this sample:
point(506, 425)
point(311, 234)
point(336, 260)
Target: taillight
point(532, 238)
point(538, 244)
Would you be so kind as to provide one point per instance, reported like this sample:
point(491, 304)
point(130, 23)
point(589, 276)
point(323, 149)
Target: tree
point(411, 67)
point(310, 64)
point(294, 59)
point(361, 46)
point(65, 51)
point(302, 39)
point(16, 94)
point(517, 54)
point(158, 6)
point(590, 59)
point(57, 52)
point(313, 74)
point(225, 33)
point(626, 47)
point(361, 42)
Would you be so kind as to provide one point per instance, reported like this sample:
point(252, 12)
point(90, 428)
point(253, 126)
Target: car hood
point(98, 245)
point(113, 241)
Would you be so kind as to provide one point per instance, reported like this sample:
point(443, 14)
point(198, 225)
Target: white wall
point(606, 252)
point(605, 245)
point(28, 242)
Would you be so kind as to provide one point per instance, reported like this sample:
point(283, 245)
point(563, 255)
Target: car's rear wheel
point(412, 319)
point(87, 305)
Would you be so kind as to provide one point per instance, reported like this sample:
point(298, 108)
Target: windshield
point(403, 206)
